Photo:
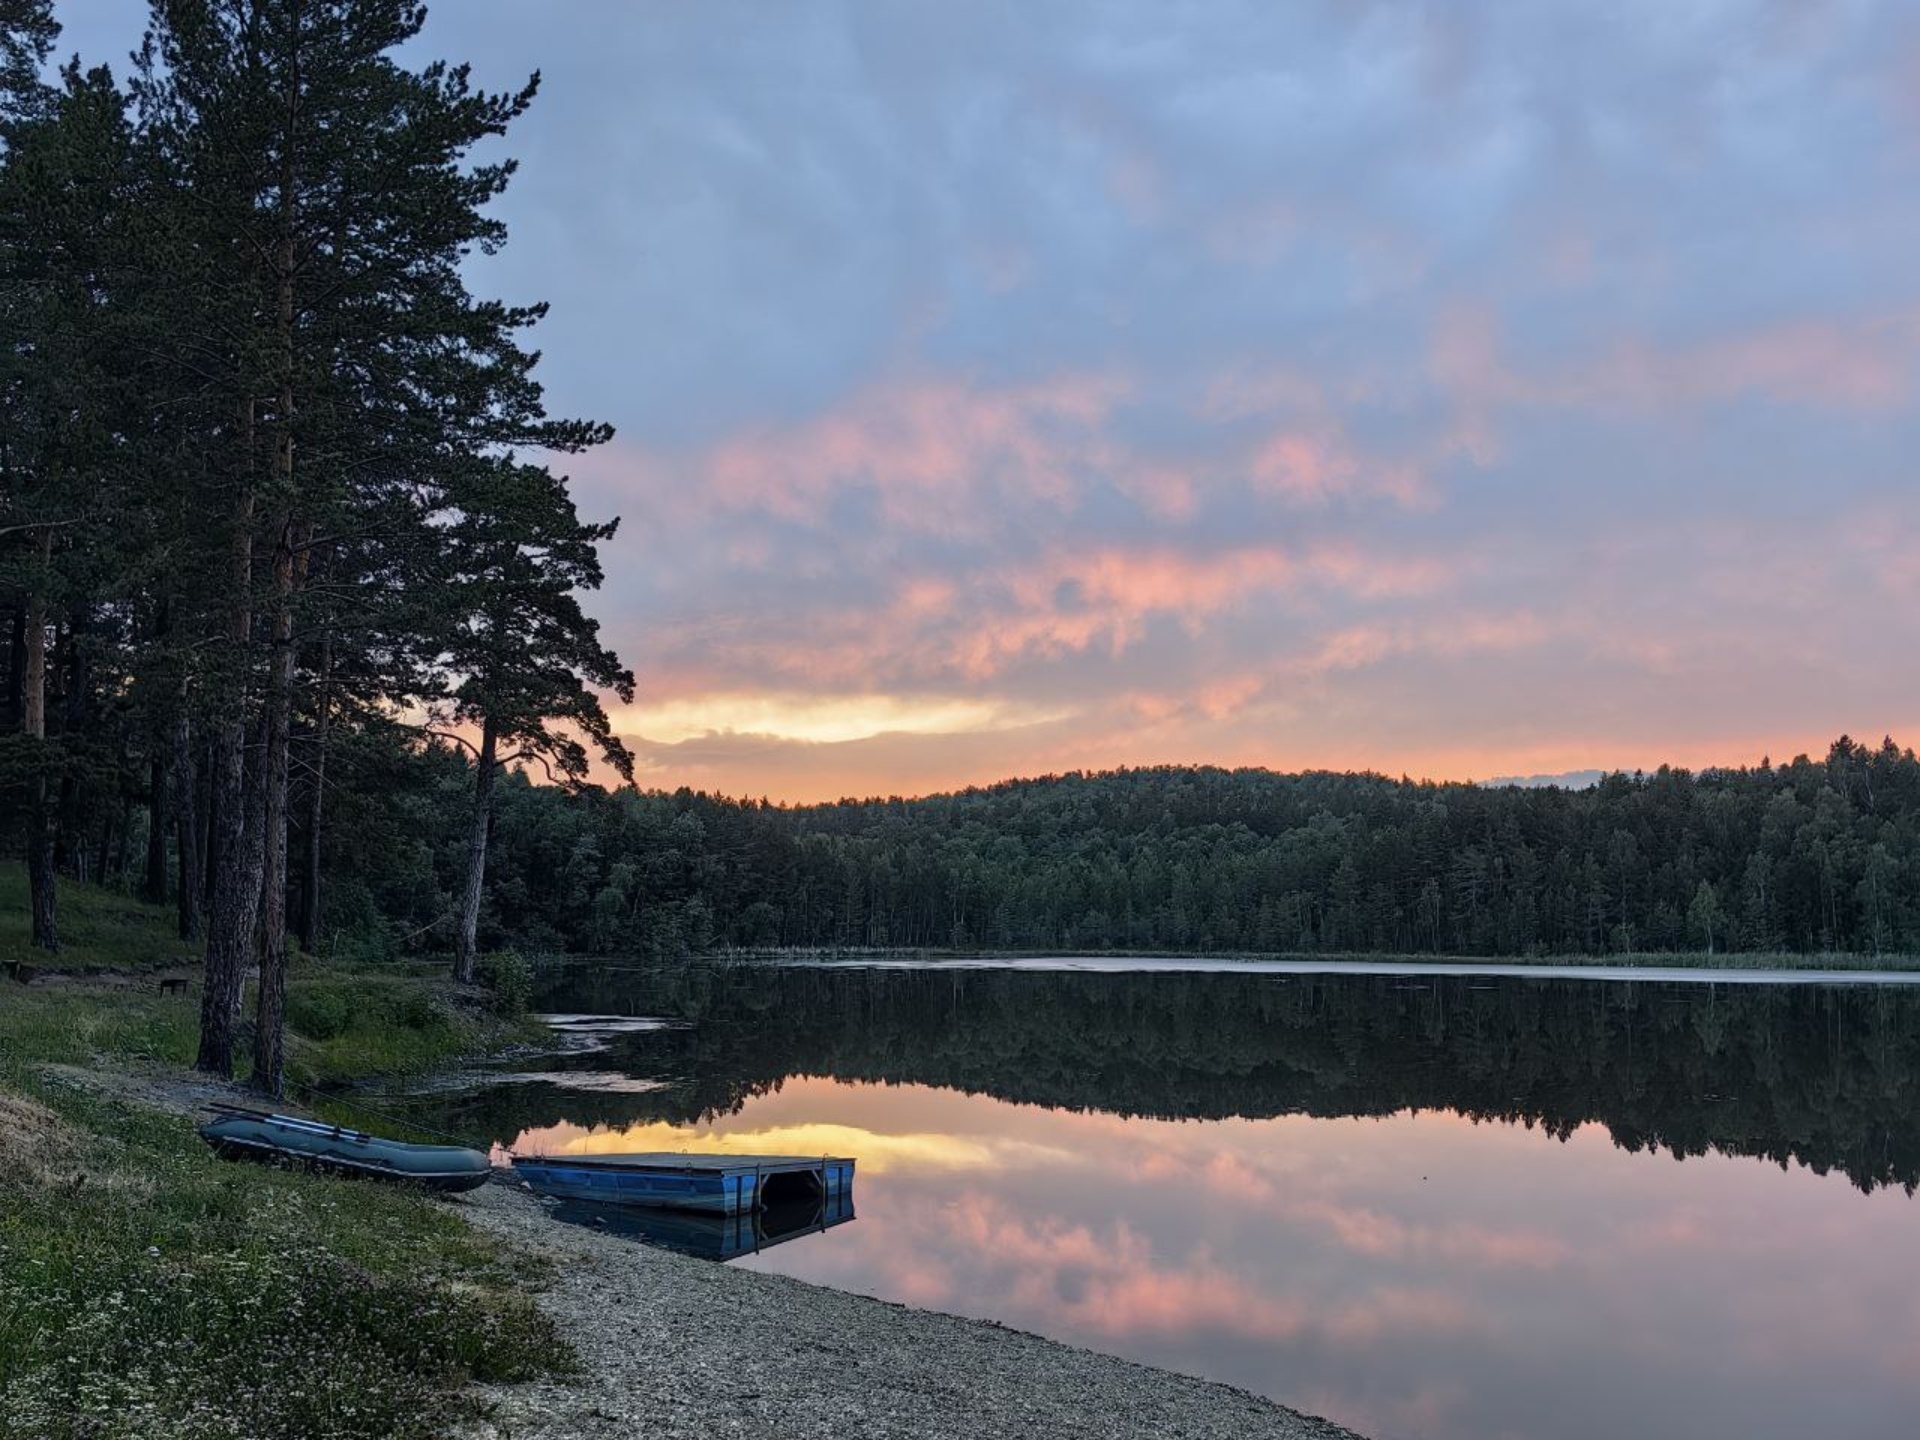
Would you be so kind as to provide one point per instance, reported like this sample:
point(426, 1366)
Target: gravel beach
point(675, 1346)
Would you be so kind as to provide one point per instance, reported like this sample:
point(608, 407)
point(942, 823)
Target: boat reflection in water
point(710, 1236)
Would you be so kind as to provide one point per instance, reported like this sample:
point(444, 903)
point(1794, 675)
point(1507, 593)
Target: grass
point(150, 1289)
point(99, 929)
point(348, 1024)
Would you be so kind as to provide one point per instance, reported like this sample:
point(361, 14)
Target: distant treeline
point(1814, 855)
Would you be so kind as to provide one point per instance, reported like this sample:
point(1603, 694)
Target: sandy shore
point(675, 1346)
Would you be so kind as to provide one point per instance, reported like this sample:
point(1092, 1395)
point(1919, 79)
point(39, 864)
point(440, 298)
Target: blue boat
point(711, 1237)
point(238, 1134)
point(713, 1184)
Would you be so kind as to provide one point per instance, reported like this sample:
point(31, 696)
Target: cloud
point(935, 455)
point(1488, 389)
point(879, 1151)
point(1855, 364)
point(957, 460)
point(818, 719)
point(941, 637)
point(1378, 1235)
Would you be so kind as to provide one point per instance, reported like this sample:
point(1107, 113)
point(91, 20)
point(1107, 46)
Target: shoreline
point(1390, 967)
point(1737, 968)
point(673, 1345)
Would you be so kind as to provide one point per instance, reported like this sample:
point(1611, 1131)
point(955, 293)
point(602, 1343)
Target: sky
point(1461, 390)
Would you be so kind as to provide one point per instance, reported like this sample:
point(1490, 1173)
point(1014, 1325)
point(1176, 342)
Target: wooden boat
point(238, 1134)
point(715, 1184)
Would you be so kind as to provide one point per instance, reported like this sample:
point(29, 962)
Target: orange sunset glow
point(1463, 392)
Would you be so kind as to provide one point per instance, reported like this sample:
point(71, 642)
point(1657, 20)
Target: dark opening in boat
point(791, 1187)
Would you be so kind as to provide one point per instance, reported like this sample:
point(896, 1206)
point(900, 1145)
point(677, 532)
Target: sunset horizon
point(1468, 392)
point(1707, 755)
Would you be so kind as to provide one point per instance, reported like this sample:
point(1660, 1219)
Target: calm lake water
point(1439, 1206)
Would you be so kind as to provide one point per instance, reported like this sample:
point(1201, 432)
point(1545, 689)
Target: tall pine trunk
point(41, 881)
point(33, 702)
point(16, 669)
point(269, 1060)
point(209, 823)
point(153, 886)
point(82, 861)
point(119, 837)
point(186, 814)
point(466, 953)
point(316, 802)
point(270, 1016)
point(235, 868)
point(160, 799)
point(231, 921)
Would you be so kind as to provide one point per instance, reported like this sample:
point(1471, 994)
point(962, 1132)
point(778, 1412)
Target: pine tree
point(27, 36)
point(329, 199)
point(524, 653)
point(65, 531)
point(28, 33)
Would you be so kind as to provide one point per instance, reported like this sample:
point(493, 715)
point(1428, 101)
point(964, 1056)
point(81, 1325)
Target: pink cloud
point(1167, 491)
point(1119, 1290)
point(943, 631)
point(1225, 698)
point(1400, 1310)
point(1379, 1235)
point(1313, 466)
point(1304, 467)
point(1076, 602)
point(935, 452)
point(1108, 1282)
point(946, 456)
point(1854, 364)
point(1357, 647)
point(1181, 1303)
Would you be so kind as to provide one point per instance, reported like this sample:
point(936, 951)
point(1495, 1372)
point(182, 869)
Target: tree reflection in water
point(1268, 1180)
point(1820, 1076)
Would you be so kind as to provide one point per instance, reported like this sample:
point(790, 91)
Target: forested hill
point(1809, 856)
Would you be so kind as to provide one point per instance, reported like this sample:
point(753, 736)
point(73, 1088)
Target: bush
point(507, 977)
point(328, 1009)
point(321, 1010)
point(416, 1008)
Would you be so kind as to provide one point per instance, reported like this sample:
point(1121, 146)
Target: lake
point(1457, 1205)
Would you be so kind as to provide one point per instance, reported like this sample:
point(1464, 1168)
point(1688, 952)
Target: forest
point(1806, 857)
point(270, 472)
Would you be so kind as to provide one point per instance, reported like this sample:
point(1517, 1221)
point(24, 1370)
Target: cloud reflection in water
point(1413, 1275)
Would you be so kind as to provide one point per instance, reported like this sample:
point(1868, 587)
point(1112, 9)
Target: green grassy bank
point(98, 930)
point(150, 1289)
